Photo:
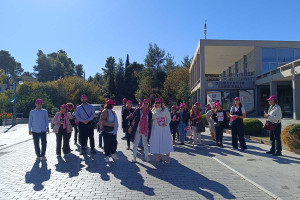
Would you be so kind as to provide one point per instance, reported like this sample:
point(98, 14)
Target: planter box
point(18, 121)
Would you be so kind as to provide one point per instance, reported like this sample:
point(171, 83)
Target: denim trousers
point(181, 127)
point(36, 141)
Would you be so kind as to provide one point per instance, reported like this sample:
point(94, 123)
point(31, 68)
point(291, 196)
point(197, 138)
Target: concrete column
point(296, 96)
point(202, 77)
point(273, 88)
point(257, 100)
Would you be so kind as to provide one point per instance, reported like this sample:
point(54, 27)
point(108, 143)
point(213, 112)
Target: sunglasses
point(157, 103)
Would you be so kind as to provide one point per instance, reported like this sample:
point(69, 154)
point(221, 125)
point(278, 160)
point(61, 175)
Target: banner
point(13, 101)
point(213, 96)
point(247, 100)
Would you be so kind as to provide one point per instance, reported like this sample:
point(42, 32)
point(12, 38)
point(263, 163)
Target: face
point(145, 105)
point(218, 107)
point(236, 102)
point(63, 110)
point(38, 106)
point(271, 102)
point(83, 100)
point(195, 108)
point(129, 105)
point(158, 104)
point(173, 109)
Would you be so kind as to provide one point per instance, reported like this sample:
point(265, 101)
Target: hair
point(162, 107)
point(192, 110)
point(276, 101)
point(102, 105)
point(108, 106)
point(70, 105)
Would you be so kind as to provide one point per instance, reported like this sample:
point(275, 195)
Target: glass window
point(268, 55)
point(285, 55)
point(272, 66)
point(297, 54)
point(265, 67)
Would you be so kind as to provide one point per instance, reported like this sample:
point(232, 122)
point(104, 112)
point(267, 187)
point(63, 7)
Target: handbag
point(270, 126)
point(201, 126)
point(109, 129)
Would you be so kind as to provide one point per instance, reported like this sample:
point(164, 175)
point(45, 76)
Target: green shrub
point(253, 127)
point(1, 122)
point(291, 136)
point(204, 118)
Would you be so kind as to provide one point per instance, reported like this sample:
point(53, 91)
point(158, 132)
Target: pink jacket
point(56, 120)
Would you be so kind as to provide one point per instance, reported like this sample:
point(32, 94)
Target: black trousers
point(62, 135)
point(128, 138)
point(76, 134)
point(237, 131)
point(36, 141)
point(110, 143)
point(86, 131)
point(174, 131)
point(275, 138)
point(219, 133)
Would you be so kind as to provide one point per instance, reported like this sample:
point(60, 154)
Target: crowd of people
point(154, 128)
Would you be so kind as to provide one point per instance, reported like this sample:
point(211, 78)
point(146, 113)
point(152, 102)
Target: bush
point(1, 122)
point(253, 127)
point(290, 136)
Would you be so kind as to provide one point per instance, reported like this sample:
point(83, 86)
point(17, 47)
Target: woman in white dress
point(161, 139)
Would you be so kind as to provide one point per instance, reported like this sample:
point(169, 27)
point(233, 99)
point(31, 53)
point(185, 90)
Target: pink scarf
point(65, 117)
point(144, 122)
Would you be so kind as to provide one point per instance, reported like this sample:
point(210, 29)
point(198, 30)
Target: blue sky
point(92, 30)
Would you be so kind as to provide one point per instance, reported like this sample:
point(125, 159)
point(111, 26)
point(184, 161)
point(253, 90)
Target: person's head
point(173, 108)
point(129, 104)
point(182, 107)
point(197, 105)
point(101, 107)
point(64, 108)
point(208, 106)
point(237, 101)
point(145, 104)
point(124, 101)
point(70, 106)
point(158, 103)
point(272, 100)
point(217, 106)
point(76, 106)
point(83, 98)
point(194, 109)
point(39, 104)
point(109, 104)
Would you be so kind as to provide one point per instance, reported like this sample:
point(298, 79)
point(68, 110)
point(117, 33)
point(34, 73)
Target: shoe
point(83, 152)
point(44, 158)
point(181, 143)
point(218, 144)
point(128, 148)
point(214, 139)
point(75, 142)
point(277, 154)
point(221, 144)
point(100, 146)
point(37, 159)
point(93, 151)
point(270, 152)
point(106, 159)
point(234, 148)
point(147, 159)
point(114, 156)
point(133, 160)
point(124, 138)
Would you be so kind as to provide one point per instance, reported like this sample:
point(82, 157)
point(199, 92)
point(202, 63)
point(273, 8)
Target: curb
point(249, 180)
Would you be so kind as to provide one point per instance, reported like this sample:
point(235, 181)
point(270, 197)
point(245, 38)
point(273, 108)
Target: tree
point(90, 79)
point(155, 58)
point(109, 76)
point(186, 61)
point(11, 67)
point(170, 64)
point(119, 81)
point(79, 70)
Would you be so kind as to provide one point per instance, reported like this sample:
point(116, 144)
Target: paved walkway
point(194, 173)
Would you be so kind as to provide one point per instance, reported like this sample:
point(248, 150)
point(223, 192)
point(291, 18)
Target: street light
point(14, 100)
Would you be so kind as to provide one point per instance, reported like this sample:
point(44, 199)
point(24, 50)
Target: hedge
point(290, 136)
point(253, 127)
point(204, 118)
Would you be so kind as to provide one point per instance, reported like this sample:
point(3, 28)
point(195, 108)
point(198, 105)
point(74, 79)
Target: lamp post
point(14, 100)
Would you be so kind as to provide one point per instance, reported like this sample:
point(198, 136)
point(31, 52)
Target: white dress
point(161, 139)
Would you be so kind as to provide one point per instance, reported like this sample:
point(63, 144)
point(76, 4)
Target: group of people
point(155, 128)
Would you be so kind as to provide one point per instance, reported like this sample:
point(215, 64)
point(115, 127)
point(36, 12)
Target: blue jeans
point(181, 127)
point(36, 142)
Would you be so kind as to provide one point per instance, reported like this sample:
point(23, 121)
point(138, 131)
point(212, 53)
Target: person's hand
point(130, 115)
point(266, 115)
point(98, 124)
point(30, 132)
point(164, 125)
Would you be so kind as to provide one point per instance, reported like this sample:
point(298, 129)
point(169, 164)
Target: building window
point(285, 55)
point(269, 55)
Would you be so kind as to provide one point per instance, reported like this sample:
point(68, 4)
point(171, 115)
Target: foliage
point(253, 127)
point(6, 115)
point(109, 77)
point(204, 118)
point(10, 66)
point(290, 136)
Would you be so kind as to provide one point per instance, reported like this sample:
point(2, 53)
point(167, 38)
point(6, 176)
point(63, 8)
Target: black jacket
point(185, 117)
point(126, 122)
point(136, 120)
point(222, 123)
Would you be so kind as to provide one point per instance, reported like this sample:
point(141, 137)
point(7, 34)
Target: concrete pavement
point(193, 173)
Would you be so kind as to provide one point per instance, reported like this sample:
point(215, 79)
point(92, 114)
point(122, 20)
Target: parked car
point(97, 111)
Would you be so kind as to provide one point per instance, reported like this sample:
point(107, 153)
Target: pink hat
point(124, 100)
point(158, 100)
point(182, 105)
point(208, 105)
point(146, 101)
point(272, 98)
point(83, 96)
point(197, 104)
point(65, 106)
point(174, 106)
point(217, 104)
point(110, 102)
point(39, 101)
point(129, 101)
point(237, 99)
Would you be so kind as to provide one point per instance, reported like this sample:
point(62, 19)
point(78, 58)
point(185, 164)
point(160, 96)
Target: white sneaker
point(106, 159)
point(147, 159)
point(44, 158)
point(37, 159)
point(114, 156)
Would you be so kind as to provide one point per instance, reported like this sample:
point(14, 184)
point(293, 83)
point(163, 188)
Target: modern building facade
point(250, 69)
